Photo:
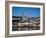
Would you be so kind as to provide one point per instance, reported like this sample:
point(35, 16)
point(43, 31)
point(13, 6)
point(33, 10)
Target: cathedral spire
point(23, 13)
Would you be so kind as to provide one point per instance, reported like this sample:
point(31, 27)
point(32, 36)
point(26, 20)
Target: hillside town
point(23, 23)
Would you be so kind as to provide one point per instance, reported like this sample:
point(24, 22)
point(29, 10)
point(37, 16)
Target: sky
point(28, 11)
